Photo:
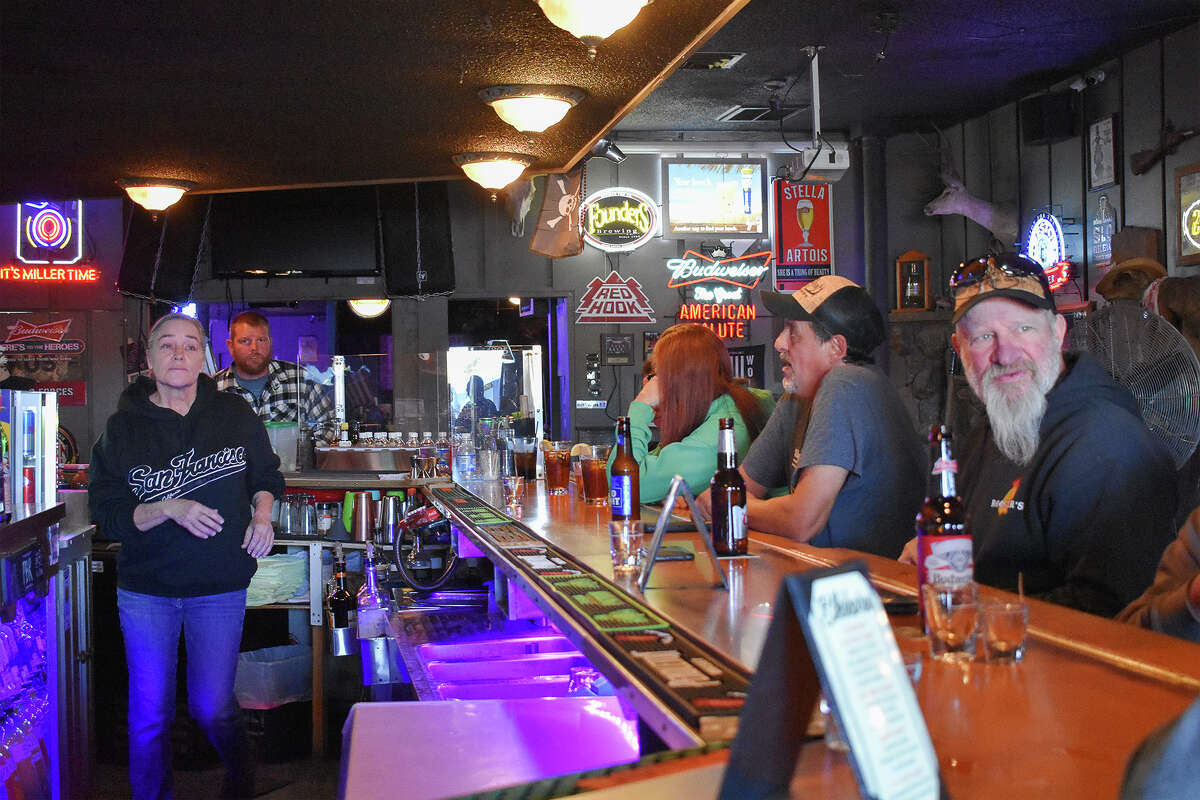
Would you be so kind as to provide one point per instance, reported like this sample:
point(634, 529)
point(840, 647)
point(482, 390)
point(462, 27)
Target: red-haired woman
point(692, 388)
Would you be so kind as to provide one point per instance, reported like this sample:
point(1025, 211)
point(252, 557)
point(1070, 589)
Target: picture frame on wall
point(1102, 153)
point(1187, 197)
point(912, 282)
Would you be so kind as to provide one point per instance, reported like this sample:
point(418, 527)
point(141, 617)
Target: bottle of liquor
point(341, 604)
point(428, 448)
point(728, 496)
point(944, 554)
point(624, 495)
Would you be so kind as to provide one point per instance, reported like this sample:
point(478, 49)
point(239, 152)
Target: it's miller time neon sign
point(49, 245)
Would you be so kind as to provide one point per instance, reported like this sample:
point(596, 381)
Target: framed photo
point(1102, 153)
point(912, 282)
point(616, 350)
point(1187, 193)
point(649, 339)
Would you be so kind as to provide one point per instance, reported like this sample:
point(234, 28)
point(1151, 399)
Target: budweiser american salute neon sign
point(619, 219)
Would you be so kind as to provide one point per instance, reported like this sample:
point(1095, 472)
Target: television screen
point(298, 233)
point(714, 198)
point(159, 260)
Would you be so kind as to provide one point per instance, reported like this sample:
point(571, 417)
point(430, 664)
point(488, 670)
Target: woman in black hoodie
point(184, 476)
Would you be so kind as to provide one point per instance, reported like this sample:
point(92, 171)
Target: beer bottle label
point(946, 562)
point(737, 523)
point(620, 496)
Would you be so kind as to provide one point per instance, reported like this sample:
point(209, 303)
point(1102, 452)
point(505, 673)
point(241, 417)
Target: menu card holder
point(679, 486)
point(830, 631)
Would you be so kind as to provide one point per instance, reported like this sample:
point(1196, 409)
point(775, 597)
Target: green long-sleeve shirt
point(695, 455)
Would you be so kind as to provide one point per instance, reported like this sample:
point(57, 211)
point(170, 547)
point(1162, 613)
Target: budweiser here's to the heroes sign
point(803, 233)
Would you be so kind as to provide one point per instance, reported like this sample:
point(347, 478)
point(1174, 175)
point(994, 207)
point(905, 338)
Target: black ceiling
point(257, 95)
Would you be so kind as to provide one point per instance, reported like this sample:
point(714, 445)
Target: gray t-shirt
point(253, 385)
point(859, 423)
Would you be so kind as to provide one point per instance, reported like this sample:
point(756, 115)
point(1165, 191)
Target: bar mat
point(510, 535)
point(608, 610)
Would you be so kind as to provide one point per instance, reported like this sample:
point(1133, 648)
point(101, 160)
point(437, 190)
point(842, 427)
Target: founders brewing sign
point(619, 219)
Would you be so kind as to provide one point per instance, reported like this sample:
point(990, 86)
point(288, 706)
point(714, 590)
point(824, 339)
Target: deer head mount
point(518, 199)
point(998, 218)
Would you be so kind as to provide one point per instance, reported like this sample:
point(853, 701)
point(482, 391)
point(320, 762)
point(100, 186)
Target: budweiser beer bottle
point(944, 554)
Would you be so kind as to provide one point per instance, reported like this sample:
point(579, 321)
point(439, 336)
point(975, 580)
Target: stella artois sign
point(614, 300)
point(619, 219)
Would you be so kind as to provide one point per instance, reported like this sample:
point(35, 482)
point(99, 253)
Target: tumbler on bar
point(594, 471)
point(558, 467)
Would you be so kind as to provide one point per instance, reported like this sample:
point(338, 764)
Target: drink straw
point(1021, 585)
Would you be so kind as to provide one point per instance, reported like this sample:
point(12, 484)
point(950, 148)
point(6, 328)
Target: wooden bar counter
point(1061, 724)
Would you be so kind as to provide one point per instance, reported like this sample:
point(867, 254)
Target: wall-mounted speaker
point(1048, 118)
point(405, 209)
point(160, 255)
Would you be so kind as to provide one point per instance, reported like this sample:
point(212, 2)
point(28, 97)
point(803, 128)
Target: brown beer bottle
point(944, 547)
point(624, 495)
point(728, 496)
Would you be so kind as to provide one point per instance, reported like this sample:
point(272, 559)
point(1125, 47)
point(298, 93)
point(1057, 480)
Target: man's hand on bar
point(704, 503)
point(909, 554)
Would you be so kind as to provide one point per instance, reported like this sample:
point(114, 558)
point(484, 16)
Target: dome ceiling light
point(591, 20)
point(530, 107)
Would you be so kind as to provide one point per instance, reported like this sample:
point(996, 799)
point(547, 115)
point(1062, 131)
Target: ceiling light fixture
point(591, 20)
point(154, 194)
point(529, 107)
point(369, 308)
point(493, 170)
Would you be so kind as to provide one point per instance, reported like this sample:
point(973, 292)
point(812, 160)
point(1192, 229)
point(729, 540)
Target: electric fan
point(1145, 354)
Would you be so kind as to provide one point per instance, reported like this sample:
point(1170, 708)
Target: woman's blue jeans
point(212, 630)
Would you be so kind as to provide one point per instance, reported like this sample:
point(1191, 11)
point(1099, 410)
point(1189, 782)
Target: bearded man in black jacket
point(1063, 484)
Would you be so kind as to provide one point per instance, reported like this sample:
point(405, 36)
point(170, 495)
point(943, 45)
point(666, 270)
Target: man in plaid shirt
point(269, 386)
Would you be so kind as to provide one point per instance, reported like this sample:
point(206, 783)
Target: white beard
point(1016, 416)
point(789, 386)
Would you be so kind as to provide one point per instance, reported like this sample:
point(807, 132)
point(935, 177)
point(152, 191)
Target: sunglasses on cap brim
point(971, 273)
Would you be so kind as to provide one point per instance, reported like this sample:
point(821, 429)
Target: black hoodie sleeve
point(109, 497)
point(263, 466)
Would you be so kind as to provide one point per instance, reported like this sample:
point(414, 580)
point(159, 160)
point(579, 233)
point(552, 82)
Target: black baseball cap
point(839, 304)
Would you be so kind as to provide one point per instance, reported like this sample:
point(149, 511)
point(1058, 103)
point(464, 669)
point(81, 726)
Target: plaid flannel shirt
point(279, 401)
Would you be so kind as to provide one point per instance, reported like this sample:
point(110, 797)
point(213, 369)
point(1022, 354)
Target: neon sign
point(57, 274)
point(619, 219)
point(745, 271)
point(1191, 224)
point(50, 233)
point(727, 322)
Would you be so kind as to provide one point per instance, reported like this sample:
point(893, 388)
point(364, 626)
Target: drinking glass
point(558, 467)
point(1004, 626)
point(952, 620)
point(525, 450)
point(594, 470)
point(625, 538)
point(834, 739)
point(514, 494)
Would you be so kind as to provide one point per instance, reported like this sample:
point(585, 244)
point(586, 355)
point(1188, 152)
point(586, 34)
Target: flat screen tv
point(159, 259)
point(714, 198)
point(295, 233)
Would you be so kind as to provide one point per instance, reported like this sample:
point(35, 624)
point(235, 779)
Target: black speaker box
point(1048, 118)
point(160, 255)
point(400, 207)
